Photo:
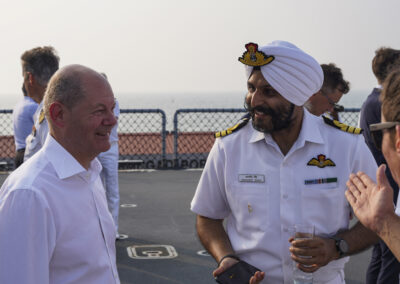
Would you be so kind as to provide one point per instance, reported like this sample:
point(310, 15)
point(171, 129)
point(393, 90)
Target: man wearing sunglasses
point(383, 268)
point(373, 203)
point(333, 88)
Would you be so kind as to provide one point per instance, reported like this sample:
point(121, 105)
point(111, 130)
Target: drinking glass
point(302, 232)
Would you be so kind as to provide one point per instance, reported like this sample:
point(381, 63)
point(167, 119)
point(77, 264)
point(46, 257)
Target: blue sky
point(186, 46)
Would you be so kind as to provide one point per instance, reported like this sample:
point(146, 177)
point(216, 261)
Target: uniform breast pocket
point(250, 207)
point(322, 207)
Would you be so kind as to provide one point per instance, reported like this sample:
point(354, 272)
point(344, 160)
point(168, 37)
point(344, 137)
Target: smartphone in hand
point(239, 273)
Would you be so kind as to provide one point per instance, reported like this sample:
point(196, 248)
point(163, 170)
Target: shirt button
point(285, 230)
point(285, 196)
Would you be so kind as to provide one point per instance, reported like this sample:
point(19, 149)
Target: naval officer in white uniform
point(284, 167)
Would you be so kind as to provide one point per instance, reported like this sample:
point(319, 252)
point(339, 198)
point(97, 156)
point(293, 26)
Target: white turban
point(292, 73)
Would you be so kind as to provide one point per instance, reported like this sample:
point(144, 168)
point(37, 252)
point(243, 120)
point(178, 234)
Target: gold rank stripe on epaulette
point(234, 128)
point(41, 116)
point(342, 126)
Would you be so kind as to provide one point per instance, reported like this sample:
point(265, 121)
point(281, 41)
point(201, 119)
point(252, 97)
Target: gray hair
point(42, 62)
point(64, 87)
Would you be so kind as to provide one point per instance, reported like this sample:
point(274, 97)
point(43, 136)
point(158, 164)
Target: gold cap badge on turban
point(254, 57)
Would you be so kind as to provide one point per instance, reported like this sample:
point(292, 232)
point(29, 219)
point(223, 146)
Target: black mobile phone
point(239, 273)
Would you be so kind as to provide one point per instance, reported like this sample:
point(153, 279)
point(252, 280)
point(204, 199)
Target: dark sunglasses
point(377, 131)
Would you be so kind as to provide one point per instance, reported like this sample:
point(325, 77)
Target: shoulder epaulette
point(41, 116)
point(243, 121)
point(344, 127)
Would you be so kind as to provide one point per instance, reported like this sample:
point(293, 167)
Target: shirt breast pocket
point(322, 206)
point(250, 207)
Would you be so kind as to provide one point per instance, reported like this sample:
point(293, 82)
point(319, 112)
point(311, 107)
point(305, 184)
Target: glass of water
point(302, 232)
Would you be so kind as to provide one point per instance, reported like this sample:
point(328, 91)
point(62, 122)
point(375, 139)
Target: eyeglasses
point(335, 106)
point(377, 131)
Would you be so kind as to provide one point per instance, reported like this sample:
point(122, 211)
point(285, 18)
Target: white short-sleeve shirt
point(35, 140)
point(23, 120)
point(55, 224)
point(262, 193)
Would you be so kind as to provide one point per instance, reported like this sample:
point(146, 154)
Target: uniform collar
point(309, 131)
point(65, 164)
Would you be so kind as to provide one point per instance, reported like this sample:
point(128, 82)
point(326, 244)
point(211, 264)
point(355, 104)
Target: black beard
point(280, 119)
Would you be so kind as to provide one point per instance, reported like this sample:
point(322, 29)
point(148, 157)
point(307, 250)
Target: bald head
point(69, 84)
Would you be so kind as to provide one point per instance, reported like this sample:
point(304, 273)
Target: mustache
point(262, 109)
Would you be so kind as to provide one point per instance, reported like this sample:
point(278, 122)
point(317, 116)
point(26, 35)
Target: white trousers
point(109, 176)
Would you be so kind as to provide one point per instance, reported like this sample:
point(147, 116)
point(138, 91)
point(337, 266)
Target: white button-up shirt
point(114, 130)
point(55, 226)
point(35, 140)
point(262, 193)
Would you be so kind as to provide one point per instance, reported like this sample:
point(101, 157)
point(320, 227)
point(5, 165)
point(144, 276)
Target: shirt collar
point(65, 164)
point(309, 131)
point(29, 99)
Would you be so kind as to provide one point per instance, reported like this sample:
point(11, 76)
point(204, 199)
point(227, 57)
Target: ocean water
point(173, 101)
point(170, 102)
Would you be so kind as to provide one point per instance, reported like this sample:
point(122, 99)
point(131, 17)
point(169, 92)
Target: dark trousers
point(19, 157)
point(384, 267)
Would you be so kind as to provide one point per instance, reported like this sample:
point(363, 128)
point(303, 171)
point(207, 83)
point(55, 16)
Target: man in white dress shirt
point(38, 65)
point(54, 220)
point(22, 124)
point(109, 173)
point(279, 167)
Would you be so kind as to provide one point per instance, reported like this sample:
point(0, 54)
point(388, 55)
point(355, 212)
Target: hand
point(224, 265)
point(371, 202)
point(311, 254)
point(257, 278)
point(228, 262)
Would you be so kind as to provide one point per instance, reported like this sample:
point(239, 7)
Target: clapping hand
point(370, 202)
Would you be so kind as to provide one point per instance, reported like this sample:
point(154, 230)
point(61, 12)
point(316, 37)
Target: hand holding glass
point(302, 232)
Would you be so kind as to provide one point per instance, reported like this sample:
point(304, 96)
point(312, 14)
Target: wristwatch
point(341, 245)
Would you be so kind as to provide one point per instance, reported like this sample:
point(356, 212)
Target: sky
point(191, 47)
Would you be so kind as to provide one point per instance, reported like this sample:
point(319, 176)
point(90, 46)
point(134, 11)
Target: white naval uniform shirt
point(262, 193)
point(35, 140)
point(55, 225)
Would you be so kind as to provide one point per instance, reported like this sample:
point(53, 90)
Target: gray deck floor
point(155, 211)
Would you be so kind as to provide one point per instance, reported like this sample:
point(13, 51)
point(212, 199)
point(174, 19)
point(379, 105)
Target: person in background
point(54, 220)
point(333, 88)
point(38, 65)
point(109, 173)
point(383, 268)
point(373, 202)
point(279, 167)
point(22, 125)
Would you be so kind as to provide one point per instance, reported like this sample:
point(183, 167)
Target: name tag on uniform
point(252, 178)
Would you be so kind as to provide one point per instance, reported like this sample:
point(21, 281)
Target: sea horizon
point(173, 101)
